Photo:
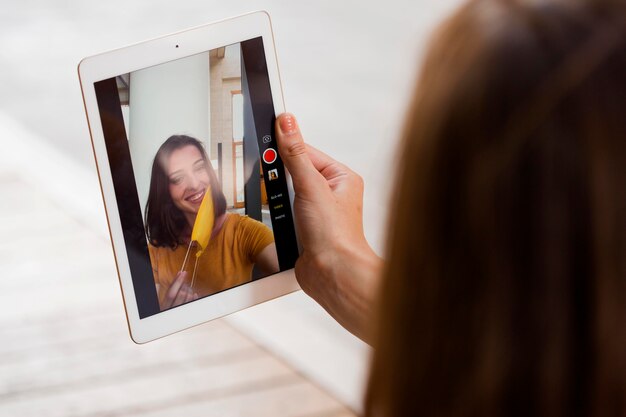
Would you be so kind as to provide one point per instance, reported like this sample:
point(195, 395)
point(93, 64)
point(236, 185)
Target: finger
point(293, 151)
point(327, 166)
point(318, 158)
point(189, 296)
point(172, 292)
point(167, 303)
point(182, 296)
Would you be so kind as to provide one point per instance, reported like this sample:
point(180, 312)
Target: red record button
point(269, 156)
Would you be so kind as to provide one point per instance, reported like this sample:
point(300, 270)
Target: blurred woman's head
point(505, 288)
point(181, 174)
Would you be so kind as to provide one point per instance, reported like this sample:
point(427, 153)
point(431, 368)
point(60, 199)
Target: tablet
point(198, 202)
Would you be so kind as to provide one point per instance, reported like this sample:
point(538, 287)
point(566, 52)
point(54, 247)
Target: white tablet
point(198, 202)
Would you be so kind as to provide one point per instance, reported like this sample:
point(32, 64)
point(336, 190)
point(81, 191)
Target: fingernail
point(288, 124)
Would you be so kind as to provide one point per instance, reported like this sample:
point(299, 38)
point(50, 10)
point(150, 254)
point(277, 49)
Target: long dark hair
point(505, 285)
point(165, 223)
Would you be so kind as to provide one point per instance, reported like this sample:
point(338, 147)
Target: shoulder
point(249, 229)
point(250, 235)
point(246, 222)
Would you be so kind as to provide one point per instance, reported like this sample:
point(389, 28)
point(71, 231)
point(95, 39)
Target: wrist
point(351, 275)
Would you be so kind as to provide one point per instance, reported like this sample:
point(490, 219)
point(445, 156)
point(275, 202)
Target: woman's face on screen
point(188, 178)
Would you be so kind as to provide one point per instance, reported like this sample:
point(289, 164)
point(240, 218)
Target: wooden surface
point(65, 349)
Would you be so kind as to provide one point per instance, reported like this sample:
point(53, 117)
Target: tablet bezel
point(146, 54)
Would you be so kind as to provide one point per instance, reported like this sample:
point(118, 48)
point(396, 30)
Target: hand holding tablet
point(337, 267)
point(198, 201)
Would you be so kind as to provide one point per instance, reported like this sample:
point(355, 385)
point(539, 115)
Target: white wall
point(163, 103)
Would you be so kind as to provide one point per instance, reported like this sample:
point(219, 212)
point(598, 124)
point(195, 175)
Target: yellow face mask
point(203, 226)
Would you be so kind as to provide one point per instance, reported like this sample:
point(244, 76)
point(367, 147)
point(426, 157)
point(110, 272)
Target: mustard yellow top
point(227, 261)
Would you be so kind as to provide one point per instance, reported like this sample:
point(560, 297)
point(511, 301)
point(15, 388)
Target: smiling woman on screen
point(181, 175)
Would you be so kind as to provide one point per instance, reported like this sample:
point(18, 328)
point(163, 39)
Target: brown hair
point(505, 285)
point(165, 222)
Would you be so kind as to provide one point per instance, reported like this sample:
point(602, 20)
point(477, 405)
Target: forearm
point(346, 286)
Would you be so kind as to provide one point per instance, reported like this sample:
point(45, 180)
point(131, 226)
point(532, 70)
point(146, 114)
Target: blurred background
point(348, 69)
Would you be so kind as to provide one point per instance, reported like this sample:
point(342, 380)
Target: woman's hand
point(178, 293)
point(337, 266)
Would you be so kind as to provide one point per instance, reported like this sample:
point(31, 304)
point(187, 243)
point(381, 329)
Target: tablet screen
point(191, 143)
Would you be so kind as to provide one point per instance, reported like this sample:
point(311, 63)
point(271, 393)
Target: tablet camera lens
point(177, 46)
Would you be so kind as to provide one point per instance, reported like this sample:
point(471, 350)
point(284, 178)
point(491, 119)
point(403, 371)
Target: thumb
point(293, 151)
point(181, 277)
